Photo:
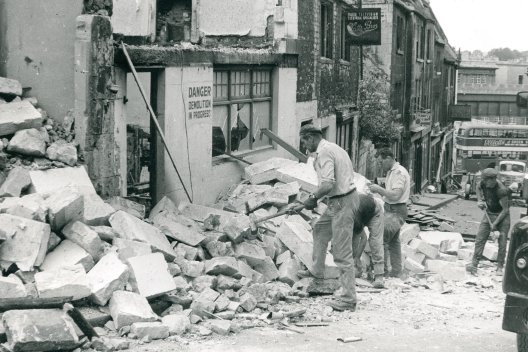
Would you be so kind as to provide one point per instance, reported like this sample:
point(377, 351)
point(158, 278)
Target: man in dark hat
point(493, 198)
point(335, 175)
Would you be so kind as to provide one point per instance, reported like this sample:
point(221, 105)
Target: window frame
point(252, 98)
point(326, 28)
point(344, 52)
point(399, 34)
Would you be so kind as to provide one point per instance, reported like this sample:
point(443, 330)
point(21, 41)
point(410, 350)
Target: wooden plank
point(32, 303)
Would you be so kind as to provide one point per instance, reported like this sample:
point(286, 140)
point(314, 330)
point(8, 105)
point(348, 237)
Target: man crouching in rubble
point(370, 215)
point(335, 175)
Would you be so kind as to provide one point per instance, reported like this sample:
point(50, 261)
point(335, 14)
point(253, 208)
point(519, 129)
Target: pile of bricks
point(185, 268)
point(29, 138)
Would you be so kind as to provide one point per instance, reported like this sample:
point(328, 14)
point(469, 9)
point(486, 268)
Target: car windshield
point(512, 167)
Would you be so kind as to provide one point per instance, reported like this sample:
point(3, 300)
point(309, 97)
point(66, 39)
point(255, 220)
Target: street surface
point(410, 316)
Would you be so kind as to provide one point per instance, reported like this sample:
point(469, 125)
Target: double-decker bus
point(479, 146)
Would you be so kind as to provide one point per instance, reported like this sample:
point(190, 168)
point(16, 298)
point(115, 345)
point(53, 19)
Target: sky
point(484, 24)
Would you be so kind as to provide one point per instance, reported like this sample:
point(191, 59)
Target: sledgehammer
point(254, 221)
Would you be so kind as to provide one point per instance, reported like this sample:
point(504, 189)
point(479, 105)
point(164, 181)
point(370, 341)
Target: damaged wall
point(36, 48)
point(135, 18)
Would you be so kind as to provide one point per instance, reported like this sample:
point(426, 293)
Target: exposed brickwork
point(98, 7)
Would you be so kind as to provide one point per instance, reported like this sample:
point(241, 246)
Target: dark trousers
point(483, 234)
point(391, 240)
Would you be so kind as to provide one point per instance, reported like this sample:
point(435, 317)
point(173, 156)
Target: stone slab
point(302, 173)
point(9, 86)
point(12, 287)
point(67, 253)
point(128, 249)
point(48, 181)
point(64, 205)
point(434, 238)
point(18, 116)
point(175, 230)
point(127, 308)
point(149, 275)
point(106, 277)
point(96, 212)
point(31, 207)
point(132, 228)
point(222, 265)
point(265, 171)
point(26, 243)
point(85, 237)
point(63, 282)
point(300, 241)
point(152, 330)
point(40, 330)
point(131, 207)
point(16, 182)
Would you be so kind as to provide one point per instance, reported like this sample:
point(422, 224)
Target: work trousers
point(375, 241)
point(336, 225)
point(391, 240)
point(483, 234)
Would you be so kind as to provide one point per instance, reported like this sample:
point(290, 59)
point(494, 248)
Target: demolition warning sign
point(363, 27)
point(199, 101)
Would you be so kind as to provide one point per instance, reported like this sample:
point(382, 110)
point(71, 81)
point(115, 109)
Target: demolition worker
point(493, 198)
point(335, 177)
point(370, 214)
point(396, 195)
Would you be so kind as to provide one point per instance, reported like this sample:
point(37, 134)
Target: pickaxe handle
point(255, 222)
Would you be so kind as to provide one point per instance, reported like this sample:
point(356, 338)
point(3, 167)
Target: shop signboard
point(363, 27)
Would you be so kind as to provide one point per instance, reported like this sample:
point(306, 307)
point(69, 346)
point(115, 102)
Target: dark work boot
point(378, 282)
point(341, 306)
point(472, 269)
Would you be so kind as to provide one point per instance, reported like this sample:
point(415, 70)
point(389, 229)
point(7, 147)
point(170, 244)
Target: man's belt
point(341, 195)
point(397, 204)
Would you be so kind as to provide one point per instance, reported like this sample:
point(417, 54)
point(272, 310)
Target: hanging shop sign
point(423, 118)
point(459, 112)
point(363, 27)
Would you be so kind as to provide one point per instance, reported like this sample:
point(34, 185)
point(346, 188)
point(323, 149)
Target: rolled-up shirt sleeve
point(325, 167)
point(397, 181)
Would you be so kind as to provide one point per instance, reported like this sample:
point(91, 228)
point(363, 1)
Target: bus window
point(485, 132)
point(501, 133)
point(493, 132)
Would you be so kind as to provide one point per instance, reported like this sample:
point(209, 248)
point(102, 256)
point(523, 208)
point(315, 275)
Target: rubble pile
point(184, 269)
point(29, 138)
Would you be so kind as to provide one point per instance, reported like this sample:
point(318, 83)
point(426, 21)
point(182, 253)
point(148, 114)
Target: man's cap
point(489, 173)
point(309, 129)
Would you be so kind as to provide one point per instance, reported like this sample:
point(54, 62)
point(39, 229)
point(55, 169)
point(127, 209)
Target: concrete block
point(222, 303)
point(106, 233)
point(49, 181)
point(302, 173)
point(62, 151)
point(12, 287)
point(174, 269)
point(448, 270)
point(220, 249)
point(16, 182)
point(96, 212)
point(10, 87)
point(181, 283)
point(178, 324)
point(465, 254)
point(237, 228)
point(127, 308)
point(409, 232)
point(425, 248)
point(268, 269)
point(277, 197)
point(288, 271)
point(190, 268)
point(251, 253)
point(204, 302)
point(291, 189)
point(222, 265)
point(64, 206)
point(85, 237)
point(200, 283)
point(154, 330)
point(227, 283)
point(107, 276)
point(149, 275)
point(40, 330)
point(178, 228)
point(268, 244)
point(491, 251)
point(26, 241)
point(299, 240)
point(413, 266)
point(248, 302)
point(265, 171)
point(18, 116)
point(27, 142)
point(131, 207)
point(128, 249)
point(447, 257)
point(220, 327)
point(450, 246)
point(188, 252)
point(434, 238)
point(67, 253)
point(283, 257)
point(63, 282)
point(31, 206)
point(131, 228)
